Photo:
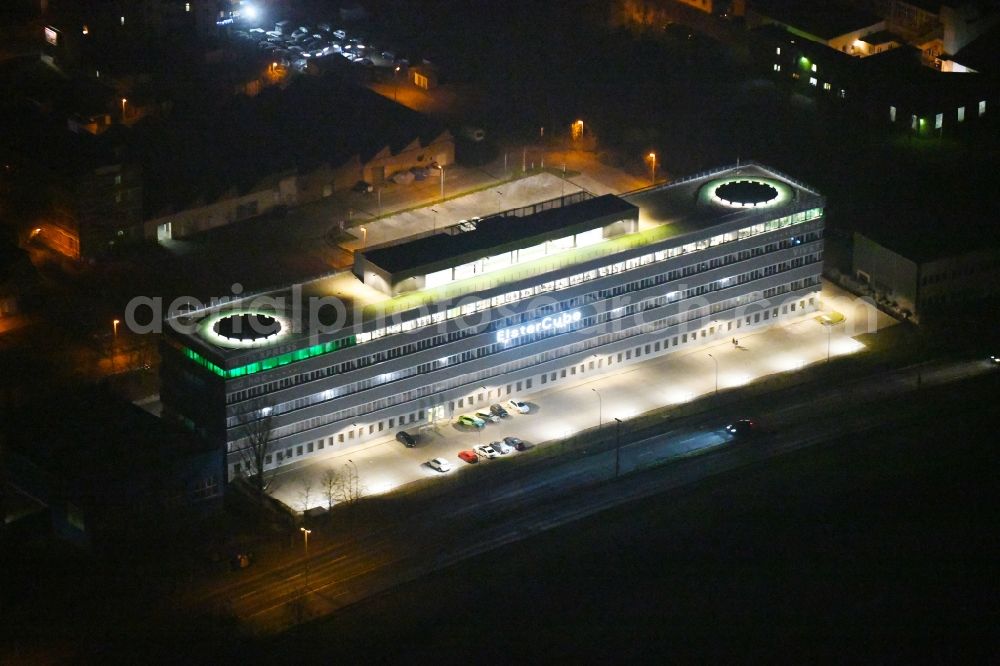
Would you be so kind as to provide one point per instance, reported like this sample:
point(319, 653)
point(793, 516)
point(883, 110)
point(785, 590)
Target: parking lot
point(555, 413)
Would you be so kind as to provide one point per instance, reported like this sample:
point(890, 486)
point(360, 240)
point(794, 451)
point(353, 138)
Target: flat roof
point(495, 234)
point(684, 206)
point(824, 20)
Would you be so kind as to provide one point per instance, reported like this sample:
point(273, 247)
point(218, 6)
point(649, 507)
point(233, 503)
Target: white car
point(501, 448)
point(515, 405)
point(487, 451)
point(440, 464)
point(485, 415)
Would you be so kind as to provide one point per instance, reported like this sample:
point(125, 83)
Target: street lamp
point(364, 237)
point(652, 168)
point(441, 167)
point(123, 108)
point(395, 89)
point(114, 325)
point(434, 210)
point(716, 373)
point(600, 408)
point(499, 199)
point(577, 129)
point(305, 537)
point(618, 446)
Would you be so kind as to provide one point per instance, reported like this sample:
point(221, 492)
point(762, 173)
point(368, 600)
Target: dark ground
point(879, 549)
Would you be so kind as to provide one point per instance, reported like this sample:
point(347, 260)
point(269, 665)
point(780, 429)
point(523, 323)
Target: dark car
point(406, 439)
point(743, 428)
point(518, 444)
point(362, 186)
point(498, 410)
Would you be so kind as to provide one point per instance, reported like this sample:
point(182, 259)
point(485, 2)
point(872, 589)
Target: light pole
point(499, 199)
point(379, 195)
point(114, 325)
point(652, 168)
point(618, 446)
point(395, 89)
point(364, 237)
point(441, 167)
point(600, 408)
point(305, 537)
point(829, 330)
point(433, 210)
point(716, 373)
point(123, 108)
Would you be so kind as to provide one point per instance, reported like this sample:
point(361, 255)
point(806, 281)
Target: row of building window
point(510, 297)
point(495, 348)
point(482, 395)
point(542, 357)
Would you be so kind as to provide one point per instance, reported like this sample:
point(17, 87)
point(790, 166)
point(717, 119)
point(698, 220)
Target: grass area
point(877, 547)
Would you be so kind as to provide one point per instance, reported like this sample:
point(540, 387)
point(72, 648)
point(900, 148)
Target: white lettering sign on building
point(545, 325)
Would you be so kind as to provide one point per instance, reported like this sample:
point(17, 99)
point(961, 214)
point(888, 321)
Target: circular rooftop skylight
point(749, 192)
point(250, 328)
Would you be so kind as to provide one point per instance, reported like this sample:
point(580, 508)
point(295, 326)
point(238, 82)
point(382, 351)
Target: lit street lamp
point(441, 167)
point(364, 237)
point(600, 408)
point(114, 325)
point(395, 89)
point(305, 537)
point(652, 168)
point(716, 373)
point(434, 210)
point(123, 108)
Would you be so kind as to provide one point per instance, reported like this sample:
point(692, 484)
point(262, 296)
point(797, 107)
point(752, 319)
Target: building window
point(298, 450)
point(827, 86)
point(982, 107)
point(309, 447)
point(187, 6)
point(892, 114)
point(777, 67)
point(842, 94)
point(961, 114)
point(777, 50)
point(122, 20)
point(938, 121)
point(812, 80)
point(814, 67)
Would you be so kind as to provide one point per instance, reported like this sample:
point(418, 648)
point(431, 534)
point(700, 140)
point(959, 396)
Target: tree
point(256, 427)
point(341, 487)
point(329, 483)
point(305, 493)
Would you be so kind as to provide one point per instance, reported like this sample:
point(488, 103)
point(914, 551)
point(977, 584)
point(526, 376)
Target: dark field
point(883, 548)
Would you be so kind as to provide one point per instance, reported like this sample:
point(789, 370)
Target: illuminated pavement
point(573, 406)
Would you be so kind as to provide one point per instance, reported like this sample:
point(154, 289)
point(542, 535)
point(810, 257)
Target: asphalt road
point(474, 518)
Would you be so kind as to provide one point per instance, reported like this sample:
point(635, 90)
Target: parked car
point(518, 443)
point(518, 406)
point(501, 447)
point(362, 186)
point(498, 410)
point(340, 34)
point(469, 456)
point(420, 173)
point(471, 421)
point(743, 428)
point(487, 416)
point(406, 439)
point(487, 451)
point(439, 464)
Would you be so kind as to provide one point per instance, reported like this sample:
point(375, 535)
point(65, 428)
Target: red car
point(468, 456)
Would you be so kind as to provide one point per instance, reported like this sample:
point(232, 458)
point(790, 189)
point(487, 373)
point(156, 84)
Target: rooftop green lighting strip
point(274, 361)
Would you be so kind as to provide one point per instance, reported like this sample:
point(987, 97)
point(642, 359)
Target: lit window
point(961, 114)
point(913, 122)
point(86, 30)
point(842, 94)
point(777, 50)
point(892, 114)
point(814, 67)
point(187, 6)
point(122, 20)
point(812, 80)
point(827, 86)
point(982, 107)
point(938, 121)
point(777, 67)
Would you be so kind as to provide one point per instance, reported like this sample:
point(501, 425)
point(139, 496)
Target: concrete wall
point(888, 273)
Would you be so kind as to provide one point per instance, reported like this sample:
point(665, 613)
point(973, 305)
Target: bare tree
point(256, 428)
point(305, 493)
point(330, 484)
point(349, 488)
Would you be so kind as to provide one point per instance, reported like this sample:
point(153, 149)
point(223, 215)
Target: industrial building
point(431, 327)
